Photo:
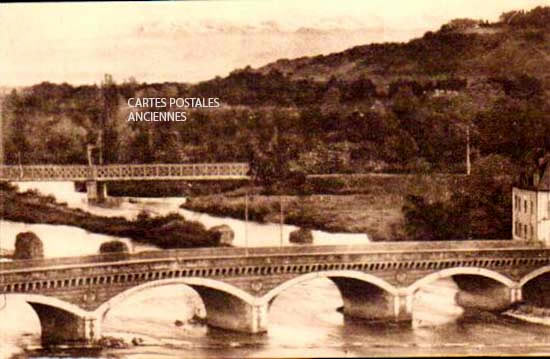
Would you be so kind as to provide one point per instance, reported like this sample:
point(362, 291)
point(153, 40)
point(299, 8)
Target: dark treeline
point(343, 127)
point(538, 17)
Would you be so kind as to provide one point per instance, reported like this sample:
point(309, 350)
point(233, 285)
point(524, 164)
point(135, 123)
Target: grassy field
point(351, 203)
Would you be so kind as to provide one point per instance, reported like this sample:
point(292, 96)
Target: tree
point(426, 221)
point(400, 148)
point(486, 198)
point(480, 209)
point(108, 134)
point(15, 115)
point(512, 127)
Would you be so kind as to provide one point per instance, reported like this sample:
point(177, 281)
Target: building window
point(525, 232)
point(520, 231)
point(532, 231)
point(532, 208)
point(525, 205)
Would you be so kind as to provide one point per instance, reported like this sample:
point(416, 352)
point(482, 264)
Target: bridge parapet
point(400, 250)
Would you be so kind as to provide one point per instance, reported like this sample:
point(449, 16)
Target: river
point(303, 320)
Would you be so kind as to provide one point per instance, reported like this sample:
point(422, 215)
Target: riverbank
point(168, 188)
point(370, 203)
point(170, 231)
point(531, 314)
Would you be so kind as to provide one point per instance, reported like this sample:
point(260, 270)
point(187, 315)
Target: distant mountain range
point(464, 48)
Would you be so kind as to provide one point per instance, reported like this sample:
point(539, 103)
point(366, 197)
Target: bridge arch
point(445, 273)
point(61, 322)
point(535, 287)
point(103, 309)
point(51, 302)
point(227, 306)
point(364, 295)
point(360, 276)
point(533, 275)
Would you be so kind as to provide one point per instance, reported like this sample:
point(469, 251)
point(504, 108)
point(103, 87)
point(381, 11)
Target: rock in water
point(223, 235)
point(28, 246)
point(302, 236)
point(137, 341)
point(113, 247)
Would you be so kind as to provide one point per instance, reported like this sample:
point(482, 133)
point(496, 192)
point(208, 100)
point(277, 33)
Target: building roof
point(544, 181)
point(538, 178)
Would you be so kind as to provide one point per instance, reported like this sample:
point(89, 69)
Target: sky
point(191, 41)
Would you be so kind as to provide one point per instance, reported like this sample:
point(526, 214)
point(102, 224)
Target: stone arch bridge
point(377, 281)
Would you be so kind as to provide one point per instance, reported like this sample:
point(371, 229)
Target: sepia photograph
point(274, 179)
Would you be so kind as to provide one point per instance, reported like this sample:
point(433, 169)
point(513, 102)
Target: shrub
point(302, 236)
point(113, 247)
point(28, 246)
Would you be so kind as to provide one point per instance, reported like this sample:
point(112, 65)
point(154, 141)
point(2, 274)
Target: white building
point(531, 205)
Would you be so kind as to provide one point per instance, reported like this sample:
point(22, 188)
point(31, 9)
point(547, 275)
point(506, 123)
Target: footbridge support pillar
point(97, 191)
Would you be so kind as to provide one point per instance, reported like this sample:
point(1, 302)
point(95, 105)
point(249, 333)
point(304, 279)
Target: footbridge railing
point(126, 172)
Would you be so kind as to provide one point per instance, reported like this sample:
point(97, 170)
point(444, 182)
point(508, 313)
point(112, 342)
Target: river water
point(303, 320)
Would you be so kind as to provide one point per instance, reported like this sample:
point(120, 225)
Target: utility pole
point(20, 163)
point(281, 218)
point(1, 140)
point(100, 146)
point(246, 222)
point(107, 84)
point(89, 149)
point(1, 145)
point(468, 164)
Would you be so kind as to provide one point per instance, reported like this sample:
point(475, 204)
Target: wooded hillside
point(381, 107)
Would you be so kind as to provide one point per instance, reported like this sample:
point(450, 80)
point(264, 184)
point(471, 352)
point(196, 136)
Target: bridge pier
point(516, 295)
point(486, 294)
point(402, 307)
point(226, 311)
point(61, 327)
point(96, 191)
point(366, 301)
